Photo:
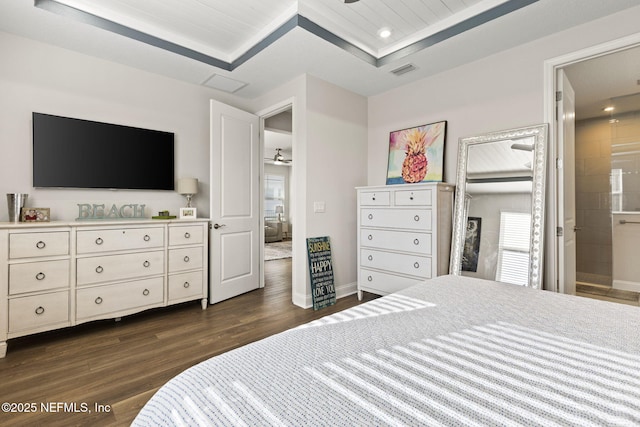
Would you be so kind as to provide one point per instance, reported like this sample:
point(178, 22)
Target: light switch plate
point(318, 207)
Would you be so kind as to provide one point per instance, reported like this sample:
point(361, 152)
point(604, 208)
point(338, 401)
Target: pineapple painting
point(416, 154)
point(414, 166)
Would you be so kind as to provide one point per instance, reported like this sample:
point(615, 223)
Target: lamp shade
point(188, 186)
point(279, 209)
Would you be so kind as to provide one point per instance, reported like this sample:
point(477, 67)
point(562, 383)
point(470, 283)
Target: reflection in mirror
point(499, 206)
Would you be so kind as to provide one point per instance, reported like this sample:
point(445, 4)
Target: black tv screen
point(77, 153)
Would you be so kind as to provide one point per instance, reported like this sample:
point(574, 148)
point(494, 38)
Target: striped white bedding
point(451, 351)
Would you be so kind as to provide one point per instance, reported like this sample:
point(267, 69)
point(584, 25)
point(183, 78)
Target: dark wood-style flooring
point(120, 365)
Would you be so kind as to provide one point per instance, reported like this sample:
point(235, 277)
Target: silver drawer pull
point(370, 237)
point(145, 292)
point(369, 278)
point(99, 241)
point(187, 235)
point(99, 269)
point(416, 241)
point(186, 285)
point(41, 244)
point(370, 216)
point(370, 257)
point(416, 264)
point(146, 264)
point(416, 218)
point(40, 310)
point(186, 259)
point(40, 276)
point(98, 300)
point(146, 237)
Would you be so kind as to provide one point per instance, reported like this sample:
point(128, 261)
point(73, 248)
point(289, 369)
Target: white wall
point(336, 148)
point(502, 91)
point(47, 79)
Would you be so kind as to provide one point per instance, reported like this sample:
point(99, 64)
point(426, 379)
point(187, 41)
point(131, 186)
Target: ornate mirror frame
point(539, 134)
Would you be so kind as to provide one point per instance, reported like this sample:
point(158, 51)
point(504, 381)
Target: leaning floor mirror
point(498, 224)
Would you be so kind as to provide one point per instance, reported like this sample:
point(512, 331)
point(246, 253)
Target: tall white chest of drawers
point(404, 235)
point(58, 274)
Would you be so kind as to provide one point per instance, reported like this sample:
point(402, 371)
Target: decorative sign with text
point(93, 211)
point(321, 271)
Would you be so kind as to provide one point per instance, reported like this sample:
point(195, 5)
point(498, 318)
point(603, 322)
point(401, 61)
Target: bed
point(450, 351)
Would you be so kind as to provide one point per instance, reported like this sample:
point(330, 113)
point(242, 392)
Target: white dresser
point(60, 274)
point(404, 235)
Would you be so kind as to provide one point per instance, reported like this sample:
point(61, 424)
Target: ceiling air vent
point(403, 69)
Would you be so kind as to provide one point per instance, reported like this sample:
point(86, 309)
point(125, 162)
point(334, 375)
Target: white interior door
point(235, 202)
point(566, 186)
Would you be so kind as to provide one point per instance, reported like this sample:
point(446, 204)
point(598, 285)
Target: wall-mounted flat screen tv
point(77, 153)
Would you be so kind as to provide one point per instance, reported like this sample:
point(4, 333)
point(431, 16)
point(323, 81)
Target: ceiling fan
point(278, 158)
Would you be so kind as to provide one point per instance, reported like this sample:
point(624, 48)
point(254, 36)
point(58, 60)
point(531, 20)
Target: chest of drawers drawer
point(38, 276)
point(413, 197)
point(33, 312)
point(410, 264)
point(383, 283)
point(31, 245)
point(101, 300)
point(186, 235)
point(185, 259)
point(375, 198)
point(117, 267)
point(396, 240)
point(413, 219)
point(94, 241)
point(185, 285)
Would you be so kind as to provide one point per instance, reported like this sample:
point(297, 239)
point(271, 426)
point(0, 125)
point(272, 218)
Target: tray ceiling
point(248, 47)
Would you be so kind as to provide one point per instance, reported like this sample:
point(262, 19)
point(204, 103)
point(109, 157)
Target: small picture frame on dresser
point(35, 215)
point(187, 213)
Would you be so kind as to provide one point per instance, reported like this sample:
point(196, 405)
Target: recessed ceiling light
point(384, 33)
point(609, 109)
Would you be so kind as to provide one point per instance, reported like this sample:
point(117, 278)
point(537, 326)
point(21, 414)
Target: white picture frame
point(188, 213)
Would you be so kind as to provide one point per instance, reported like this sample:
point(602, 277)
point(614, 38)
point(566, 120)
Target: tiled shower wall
point(594, 141)
point(593, 201)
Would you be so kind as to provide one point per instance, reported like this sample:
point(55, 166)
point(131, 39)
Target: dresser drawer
point(383, 283)
point(185, 259)
point(413, 197)
point(185, 285)
point(413, 219)
point(413, 265)
point(31, 245)
point(93, 241)
point(187, 235)
point(117, 267)
point(121, 297)
point(38, 276)
point(39, 311)
point(397, 240)
point(375, 198)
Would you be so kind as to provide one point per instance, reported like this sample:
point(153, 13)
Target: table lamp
point(188, 187)
point(279, 211)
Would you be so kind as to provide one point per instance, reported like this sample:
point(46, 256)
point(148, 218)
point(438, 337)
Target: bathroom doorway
point(607, 175)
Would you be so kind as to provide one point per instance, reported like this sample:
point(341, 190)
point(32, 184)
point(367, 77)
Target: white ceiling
point(230, 44)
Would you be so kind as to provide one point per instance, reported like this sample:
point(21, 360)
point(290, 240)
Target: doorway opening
point(277, 200)
point(607, 164)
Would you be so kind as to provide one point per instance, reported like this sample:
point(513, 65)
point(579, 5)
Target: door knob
point(216, 226)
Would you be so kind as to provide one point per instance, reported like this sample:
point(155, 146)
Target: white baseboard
point(626, 285)
point(305, 301)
